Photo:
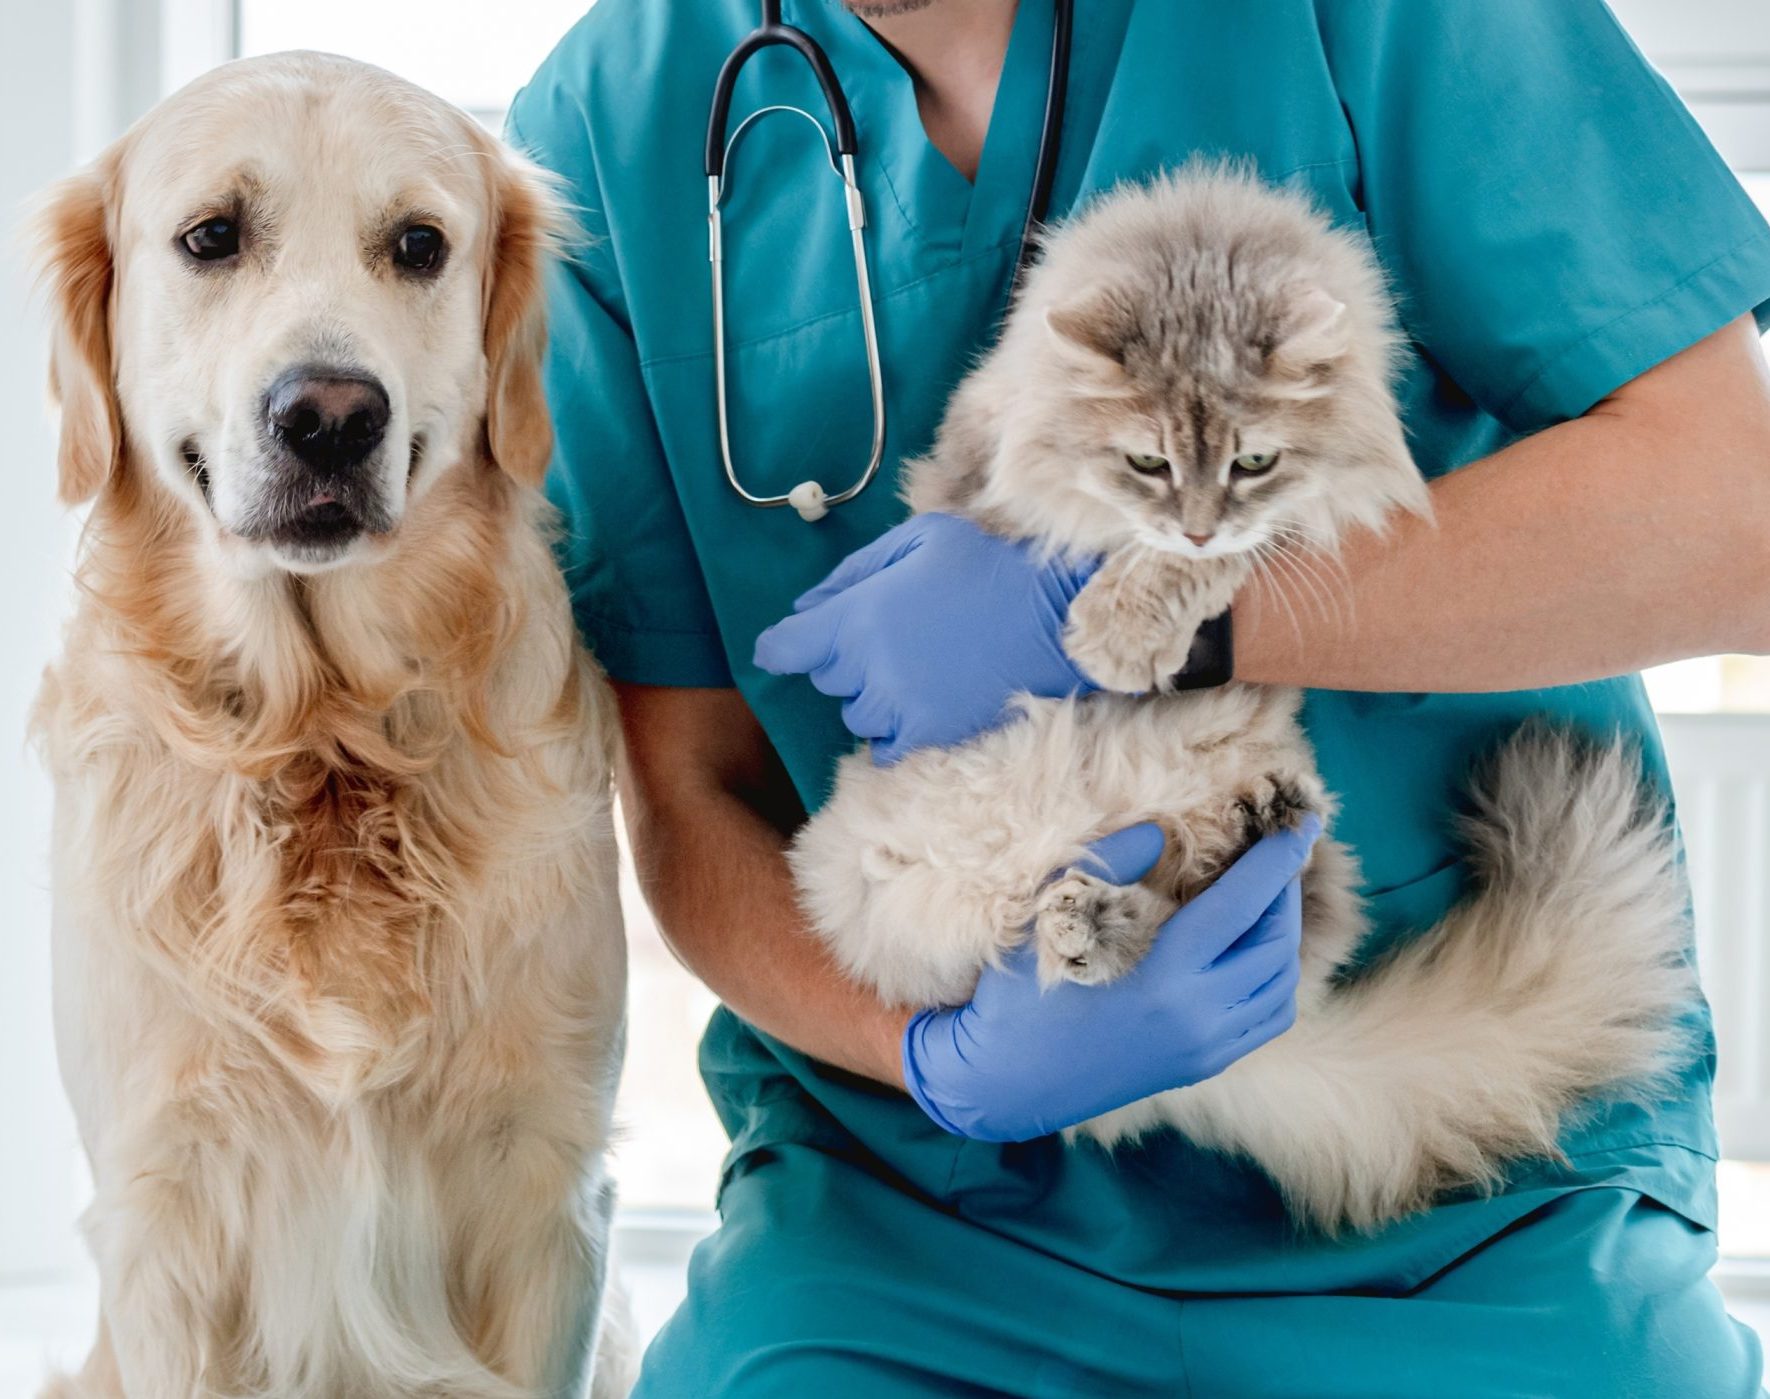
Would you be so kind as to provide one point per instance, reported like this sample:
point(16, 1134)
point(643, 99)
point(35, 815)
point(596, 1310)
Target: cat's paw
point(1277, 802)
point(1123, 650)
point(1132, 627)
point(1089, 931)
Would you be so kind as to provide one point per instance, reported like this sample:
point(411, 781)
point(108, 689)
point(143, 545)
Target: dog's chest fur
point(336, 875)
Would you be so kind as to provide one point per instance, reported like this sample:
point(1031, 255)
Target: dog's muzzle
point(323, 430)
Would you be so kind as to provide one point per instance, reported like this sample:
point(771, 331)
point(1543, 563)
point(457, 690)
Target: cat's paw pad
point(1276, 803)
point(1089, 931)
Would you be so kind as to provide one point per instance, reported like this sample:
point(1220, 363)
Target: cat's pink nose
point(1202, 539)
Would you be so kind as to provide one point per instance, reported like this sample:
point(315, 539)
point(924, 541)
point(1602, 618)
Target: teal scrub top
point(1553, 223)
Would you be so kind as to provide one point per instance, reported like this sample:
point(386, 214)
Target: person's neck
point(954, 53)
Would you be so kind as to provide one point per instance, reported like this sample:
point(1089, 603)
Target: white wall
point(73, 73)
point(37, 142)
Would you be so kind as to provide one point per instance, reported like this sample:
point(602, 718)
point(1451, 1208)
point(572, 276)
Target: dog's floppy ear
point(529, 226)
point(78, 271)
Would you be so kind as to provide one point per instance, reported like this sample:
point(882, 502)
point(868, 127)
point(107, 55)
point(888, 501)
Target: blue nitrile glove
point(928, 632)
point(1221, 980)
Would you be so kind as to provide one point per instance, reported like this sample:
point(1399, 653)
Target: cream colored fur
point(1562, 975)
point(339, 969)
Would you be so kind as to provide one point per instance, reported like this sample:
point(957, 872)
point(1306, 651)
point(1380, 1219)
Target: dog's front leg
point(165, 1282)
point(532, 1262)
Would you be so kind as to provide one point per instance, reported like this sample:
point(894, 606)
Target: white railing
point(1721, 773)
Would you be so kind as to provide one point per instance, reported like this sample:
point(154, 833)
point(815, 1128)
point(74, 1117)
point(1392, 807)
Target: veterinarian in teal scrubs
point(1554, 225)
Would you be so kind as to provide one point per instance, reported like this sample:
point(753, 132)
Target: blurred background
point(74, 74)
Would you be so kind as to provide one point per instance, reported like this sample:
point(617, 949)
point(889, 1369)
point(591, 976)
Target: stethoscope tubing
point(809, 497)
point(771, 33)
point(1038, 207)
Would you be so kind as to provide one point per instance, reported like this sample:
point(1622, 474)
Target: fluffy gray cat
point(1194, 381)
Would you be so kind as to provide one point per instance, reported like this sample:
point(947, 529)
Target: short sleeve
point(1554, 221)
point(635, 581)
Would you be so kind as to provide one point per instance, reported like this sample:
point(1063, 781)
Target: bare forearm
point(714, 872)
point(724, 899)
point(1632, 536)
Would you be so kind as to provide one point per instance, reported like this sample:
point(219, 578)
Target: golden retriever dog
point(339, 970)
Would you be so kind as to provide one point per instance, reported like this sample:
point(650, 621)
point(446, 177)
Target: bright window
point(476, 55)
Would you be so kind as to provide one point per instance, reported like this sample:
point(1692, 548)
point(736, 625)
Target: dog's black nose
point(327, 419)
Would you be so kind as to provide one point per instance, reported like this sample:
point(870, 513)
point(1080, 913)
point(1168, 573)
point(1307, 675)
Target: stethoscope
point(809, 498)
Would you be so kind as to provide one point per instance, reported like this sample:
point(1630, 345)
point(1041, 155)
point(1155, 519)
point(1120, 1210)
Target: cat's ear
point(1090, 331)
point(1315, 329)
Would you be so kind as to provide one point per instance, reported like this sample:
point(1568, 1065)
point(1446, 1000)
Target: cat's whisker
point(1319, 588)
point(1337, 584)
point(1324, 574)
point(1298, 575)
point(1266, 559)
point(1327, 601)
point(1327, 558)
point(1285, 582)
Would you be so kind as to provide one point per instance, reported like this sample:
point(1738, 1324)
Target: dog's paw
point(1089, 931)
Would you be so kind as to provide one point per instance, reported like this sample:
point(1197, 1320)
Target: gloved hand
point(928, 632)
point(1220, 981)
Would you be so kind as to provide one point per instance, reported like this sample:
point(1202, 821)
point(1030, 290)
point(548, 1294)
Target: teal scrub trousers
point(826, 1280)
point(1553, 224)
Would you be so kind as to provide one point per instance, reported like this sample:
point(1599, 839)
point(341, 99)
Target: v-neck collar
point(945, 210)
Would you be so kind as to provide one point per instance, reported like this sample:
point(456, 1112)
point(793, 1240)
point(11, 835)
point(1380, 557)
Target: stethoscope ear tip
point(809, 500)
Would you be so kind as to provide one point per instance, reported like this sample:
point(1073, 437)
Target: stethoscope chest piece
point(809, 500)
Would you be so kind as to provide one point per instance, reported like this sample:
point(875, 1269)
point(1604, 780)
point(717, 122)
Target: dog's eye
point(1254, 463)
point(420, 248)
point(212, 240)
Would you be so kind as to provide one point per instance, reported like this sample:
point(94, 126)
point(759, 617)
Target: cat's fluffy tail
point(1565, 974)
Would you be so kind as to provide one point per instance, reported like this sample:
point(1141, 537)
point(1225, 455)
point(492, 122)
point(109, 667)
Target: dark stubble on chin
point(885, 9)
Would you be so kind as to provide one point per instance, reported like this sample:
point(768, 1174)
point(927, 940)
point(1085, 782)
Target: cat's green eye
point(1254, 463)
point(1149, 465)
